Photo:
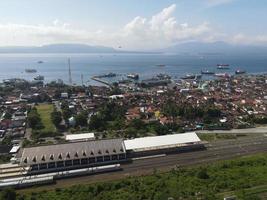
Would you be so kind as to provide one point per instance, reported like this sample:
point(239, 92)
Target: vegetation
point(5, 158)
point(208, 113)
point(34, 119)
point(41, 121)
point(219, 136)
point(45, 111)
point(107, 114)
point(56, 118)
point(66, 112)
point(81, 119)
point(8, 194)
point(239, 177)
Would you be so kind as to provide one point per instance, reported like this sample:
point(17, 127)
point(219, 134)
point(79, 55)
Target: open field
point(45, 111)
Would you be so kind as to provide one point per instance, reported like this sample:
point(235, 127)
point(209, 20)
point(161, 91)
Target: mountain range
point(187, 48)
point(214, 48)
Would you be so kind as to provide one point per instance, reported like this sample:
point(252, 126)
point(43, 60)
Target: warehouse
point(80, 137)
point(73, 155)
point(163, 144)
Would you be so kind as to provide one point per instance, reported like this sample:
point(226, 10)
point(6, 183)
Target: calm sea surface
point(55, 66)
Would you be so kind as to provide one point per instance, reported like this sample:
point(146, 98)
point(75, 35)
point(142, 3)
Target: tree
point(81, 119)
point(137, 124)
point(56, 117)
point(34, 120)
point(96, 123)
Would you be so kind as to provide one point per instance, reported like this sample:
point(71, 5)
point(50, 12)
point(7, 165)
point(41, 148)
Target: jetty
point(101, 81)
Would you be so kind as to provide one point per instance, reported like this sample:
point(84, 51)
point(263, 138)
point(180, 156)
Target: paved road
point(219, 150)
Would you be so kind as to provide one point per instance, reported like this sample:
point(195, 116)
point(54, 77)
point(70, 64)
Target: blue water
point(55, 66)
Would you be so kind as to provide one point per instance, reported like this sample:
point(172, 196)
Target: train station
point(73, 155)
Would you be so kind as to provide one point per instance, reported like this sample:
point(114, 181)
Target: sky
point(132, 24)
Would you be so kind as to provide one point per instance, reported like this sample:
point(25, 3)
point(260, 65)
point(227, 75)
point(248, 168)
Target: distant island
point(63, 48)
point(185, 48)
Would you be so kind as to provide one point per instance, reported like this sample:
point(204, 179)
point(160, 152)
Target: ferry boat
point(207, 72)
point(133, 76)
point(222, 66)
point(240, 71)
point(39, 78)
point(191, 76)
point(30, 70)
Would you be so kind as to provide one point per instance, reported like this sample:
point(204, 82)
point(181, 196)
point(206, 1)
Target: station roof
point(71, 151)
point(82, 136)
point(154, 142)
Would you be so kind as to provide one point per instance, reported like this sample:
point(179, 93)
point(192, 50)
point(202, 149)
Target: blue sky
point(135, 24)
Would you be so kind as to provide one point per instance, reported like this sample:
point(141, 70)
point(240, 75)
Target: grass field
point(45, 111)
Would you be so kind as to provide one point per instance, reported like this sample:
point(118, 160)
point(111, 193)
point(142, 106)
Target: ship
point(160, 65)
point(133, 76)
point(163, 76)
point(191, 76)
point(222, 66)
point(30, 70)
point(39, 78)
point(109, 75)
point(207, 72)
point(240, 71)
point(222, 75)
point(40, 62)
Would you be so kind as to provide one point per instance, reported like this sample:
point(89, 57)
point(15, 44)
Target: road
point(218, 150)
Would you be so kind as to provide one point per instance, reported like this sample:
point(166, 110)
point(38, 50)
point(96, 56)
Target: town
point(50, 127)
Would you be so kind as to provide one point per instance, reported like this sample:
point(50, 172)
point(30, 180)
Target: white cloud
point(158, 31)
point(241, 38)
point(162, 30)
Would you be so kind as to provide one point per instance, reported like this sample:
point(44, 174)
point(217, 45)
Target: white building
point(80, 137)
point(162, 142)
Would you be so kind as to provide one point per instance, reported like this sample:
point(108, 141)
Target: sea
point(55, 66)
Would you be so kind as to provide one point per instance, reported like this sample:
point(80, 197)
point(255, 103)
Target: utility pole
point(82, 78)
point(70, 78)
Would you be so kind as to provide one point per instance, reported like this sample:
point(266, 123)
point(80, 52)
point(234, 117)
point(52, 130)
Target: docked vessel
point(207, 72)
point(30, 70)
point(160, 65)
point(109, 75)
point(192, 76)
point(163, 76)
point(240, 71)
point(222, 75)
point(133, 76)
point(39, 78)
point(222, 66)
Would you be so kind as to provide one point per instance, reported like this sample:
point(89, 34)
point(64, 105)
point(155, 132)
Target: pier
point(101, 81)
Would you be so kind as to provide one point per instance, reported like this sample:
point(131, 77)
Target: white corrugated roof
point(15, 149)
point(82, 136)
point(164, 140)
